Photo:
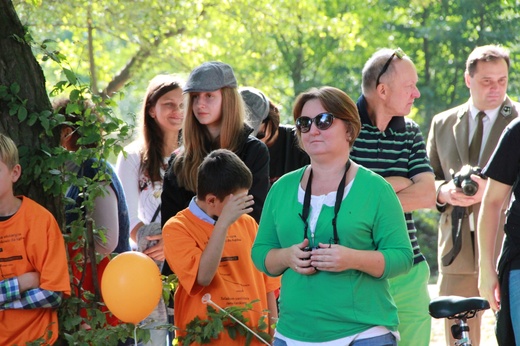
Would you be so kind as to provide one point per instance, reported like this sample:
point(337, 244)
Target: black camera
point(308, 248)
point(462, 179)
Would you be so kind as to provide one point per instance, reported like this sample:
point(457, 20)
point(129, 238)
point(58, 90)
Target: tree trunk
point(18, 65)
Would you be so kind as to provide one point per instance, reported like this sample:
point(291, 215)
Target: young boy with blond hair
point(34, 277)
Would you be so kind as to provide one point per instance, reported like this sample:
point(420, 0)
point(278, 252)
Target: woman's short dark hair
point(334, 101)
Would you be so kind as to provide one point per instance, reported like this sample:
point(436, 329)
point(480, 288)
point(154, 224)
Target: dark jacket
point(510, 251)
point(285, 154)
point(255, 155)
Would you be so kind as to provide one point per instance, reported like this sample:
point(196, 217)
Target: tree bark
point(18, 65)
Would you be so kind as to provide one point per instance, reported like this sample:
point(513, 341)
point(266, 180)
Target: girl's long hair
point(152, 157)
point(197, 142)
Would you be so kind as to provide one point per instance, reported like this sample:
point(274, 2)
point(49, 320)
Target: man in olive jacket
point(448, 148)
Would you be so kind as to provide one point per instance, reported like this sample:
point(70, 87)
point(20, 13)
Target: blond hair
point(8, 151)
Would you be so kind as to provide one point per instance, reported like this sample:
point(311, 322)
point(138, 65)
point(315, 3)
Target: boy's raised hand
point(236, 206)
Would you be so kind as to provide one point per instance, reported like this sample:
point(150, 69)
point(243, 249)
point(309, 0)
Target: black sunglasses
point(398, 53)
point(322, 121)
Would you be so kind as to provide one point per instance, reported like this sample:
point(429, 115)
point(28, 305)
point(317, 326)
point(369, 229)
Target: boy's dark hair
point(222, 173)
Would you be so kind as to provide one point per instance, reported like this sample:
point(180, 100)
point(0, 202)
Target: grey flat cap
point(257, 104)
point(210, 76)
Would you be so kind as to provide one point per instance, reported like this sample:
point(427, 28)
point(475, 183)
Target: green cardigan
point(328, 306)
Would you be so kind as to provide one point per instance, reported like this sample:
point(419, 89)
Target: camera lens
point(469, 188)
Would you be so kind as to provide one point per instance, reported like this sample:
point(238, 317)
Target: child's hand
point(236, 206)
point(156, 247)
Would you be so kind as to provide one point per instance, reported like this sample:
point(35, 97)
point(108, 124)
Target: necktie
point(476, 141)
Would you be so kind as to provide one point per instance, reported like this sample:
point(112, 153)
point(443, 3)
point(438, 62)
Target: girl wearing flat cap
point(215, 118)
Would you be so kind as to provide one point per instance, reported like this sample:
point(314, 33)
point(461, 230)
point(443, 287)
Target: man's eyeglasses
point(322, 121)
point(398, 53)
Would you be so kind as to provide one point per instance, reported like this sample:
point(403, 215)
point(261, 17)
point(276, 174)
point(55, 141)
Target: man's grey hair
point(373, 67)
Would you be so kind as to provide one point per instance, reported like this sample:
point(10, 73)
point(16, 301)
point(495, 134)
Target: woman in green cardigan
point(335, 231)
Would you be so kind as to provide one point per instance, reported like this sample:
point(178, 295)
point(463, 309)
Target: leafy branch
point(204, 331)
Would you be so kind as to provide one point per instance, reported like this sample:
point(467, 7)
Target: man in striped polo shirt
point(393, 146)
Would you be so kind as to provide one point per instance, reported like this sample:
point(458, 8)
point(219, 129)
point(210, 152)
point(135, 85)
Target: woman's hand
point(293, 257)
point(337, 258)
point(300, 259)
point(330, 257)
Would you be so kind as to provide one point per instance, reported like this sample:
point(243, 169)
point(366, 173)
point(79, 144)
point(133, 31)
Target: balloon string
point(233, 317)
point(135, 334)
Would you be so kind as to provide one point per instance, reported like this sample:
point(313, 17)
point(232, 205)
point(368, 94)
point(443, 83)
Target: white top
point(369, 333)
point(317, 202)
point(142, 197)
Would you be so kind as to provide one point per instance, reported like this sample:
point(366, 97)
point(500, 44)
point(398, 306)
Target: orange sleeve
point(48, 253)
point(183, 251)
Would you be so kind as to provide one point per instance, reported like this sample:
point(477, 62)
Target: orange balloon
point(131, 286)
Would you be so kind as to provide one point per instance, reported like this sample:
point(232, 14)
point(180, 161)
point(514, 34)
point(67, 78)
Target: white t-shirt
point(142, 197)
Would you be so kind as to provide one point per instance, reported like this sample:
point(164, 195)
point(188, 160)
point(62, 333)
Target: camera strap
point(337, 205)
point(457, 215)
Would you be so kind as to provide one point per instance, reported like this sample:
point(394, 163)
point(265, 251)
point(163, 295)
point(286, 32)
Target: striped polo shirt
point(400, 150)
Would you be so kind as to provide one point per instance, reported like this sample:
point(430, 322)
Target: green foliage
point(281, 47)
point(101, 135)
point(204, 331)
point(170, 283)
point(98, 140)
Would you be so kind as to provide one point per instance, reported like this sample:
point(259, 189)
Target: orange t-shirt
point(31, 241)
point(236, 283)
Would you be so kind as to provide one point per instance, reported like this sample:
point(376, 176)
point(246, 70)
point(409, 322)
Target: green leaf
point(13, 109)
point(45, 123)
point(232, 333)
point(71, 76)
point(15, 88)
point(3, 92)
point(74, 95)
point(22, 114)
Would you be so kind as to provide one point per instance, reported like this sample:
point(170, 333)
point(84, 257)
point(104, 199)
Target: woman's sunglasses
point(322, 121)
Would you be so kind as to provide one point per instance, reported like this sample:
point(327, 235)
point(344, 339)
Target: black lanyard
point(337, 205)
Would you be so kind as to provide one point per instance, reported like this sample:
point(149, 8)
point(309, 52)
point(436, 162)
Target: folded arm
point(14, 295)
point(415, 193)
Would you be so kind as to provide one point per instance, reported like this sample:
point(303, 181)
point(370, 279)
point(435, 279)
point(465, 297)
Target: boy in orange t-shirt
point(208, 246)
point(34, 277)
